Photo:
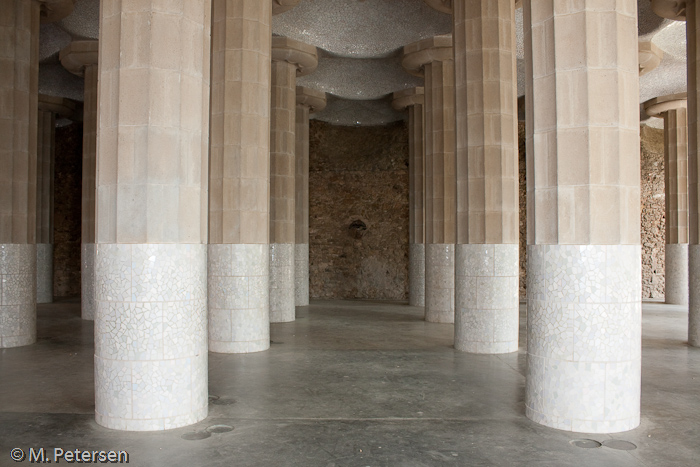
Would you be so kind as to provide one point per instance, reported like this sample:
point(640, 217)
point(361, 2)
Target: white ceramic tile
point(88, 289)
point(694, 295)
point(18, 292)
point(676, 274)
point(282, 308)
point(301, 274)
point(416, 274)
point(439, 282)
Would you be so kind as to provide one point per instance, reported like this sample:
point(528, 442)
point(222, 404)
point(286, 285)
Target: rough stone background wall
point(67, 201)
point(358, 211)
point(522, 169)
point(653, 212)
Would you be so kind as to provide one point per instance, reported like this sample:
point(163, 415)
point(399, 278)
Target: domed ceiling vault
point(360, 44)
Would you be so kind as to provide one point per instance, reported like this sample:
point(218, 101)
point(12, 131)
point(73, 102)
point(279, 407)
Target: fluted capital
point(408, 98)
point(671, 9)
point(64, 108)
point(432, 49)
point(280, 6)
point(657, 106)
point(55, 10)
point(304, 56)
point(649, 57)
point(79, 54)
point(311, 98)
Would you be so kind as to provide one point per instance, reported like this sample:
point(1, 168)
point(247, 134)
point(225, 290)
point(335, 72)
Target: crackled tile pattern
point(486, 298)
point(44, 273)
point(676, 272)
point(584, 337)
point(87, 281)
point(282, 283)
point(301, 274)
point(694, 297)
point(239, 301)
point(150, 335)
point(439, 283)
point(416, 274)
point(17, 294)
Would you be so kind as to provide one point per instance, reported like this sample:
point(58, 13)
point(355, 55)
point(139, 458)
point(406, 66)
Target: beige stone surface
point(583, 128)
point(240, 123)
point(78, 55)
point(44, 183)
point(280, 6)
point(19, 80)
point(153, 119)
point(89, 154)
point(671, 9)
point(55, 10)
point(649, 57)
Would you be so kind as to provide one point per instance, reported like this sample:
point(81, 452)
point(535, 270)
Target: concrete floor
point(350, 383)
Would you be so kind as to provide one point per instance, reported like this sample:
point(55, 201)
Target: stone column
point(584, 254)
point(413, 100)
point(308, 101)
point(290, 59)
point(80, 58)
point(693, 41)
point(239, 178)
point(673, 109)
point(151, 214)
point(44, 206)
point(19, 62)
point(433, 59)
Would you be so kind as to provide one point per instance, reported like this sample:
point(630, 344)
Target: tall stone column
point(151, 214)
point(673, 109)
point(239, 178)
point(413, 100)
point(44, 205)
point(693, 40)
point(19, 62)
point(584, 254)
point(433, 59)
point(290, 59)
point(308, 101)
point(80, 58)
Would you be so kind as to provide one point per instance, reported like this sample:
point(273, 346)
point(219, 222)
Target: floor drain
point(586, 443)
point(219, 429)
point(219, 401)
point(619, 445)
point(196, 435)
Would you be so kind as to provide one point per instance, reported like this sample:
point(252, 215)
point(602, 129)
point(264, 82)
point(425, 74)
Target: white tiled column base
point(87, 281)
point(301, 274)
point(694, 296)
point(416, 274)
point(282, 283)
point(150, 335)
point(486, 298)
point(584, 337)
point(676, 272)
point(44, 273)
point(439, 283)
point(17, 294)
point(239, 300)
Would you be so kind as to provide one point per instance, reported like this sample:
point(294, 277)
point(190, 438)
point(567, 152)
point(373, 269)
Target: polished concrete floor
point(350, 383)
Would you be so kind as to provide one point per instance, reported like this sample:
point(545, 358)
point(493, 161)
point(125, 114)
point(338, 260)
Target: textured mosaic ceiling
point(360, 44)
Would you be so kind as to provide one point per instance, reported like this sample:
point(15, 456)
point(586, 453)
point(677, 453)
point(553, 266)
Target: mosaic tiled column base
point(17, 294)
point(282, 283)
point(486, 298)
point(239, 301)
point(87, 281)
point(439, 283)
point(301, 274)
point(150, 335)
point(44, 273)
point(584, 337)
point(416, 274)
point(694, 295)
point(676, 273)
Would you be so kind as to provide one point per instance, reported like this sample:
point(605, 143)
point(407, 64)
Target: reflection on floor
point(350, 383)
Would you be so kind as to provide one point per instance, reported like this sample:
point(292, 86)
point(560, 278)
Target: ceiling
point(360, 44)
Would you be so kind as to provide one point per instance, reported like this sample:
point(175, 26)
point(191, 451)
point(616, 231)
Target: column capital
point(64, 108)
point(649, 57)
point(77, 55)
point(432, 49)
point(670, 9)
point(303, 56)
point(311, 98)
point(55, 10)
point(445, 6)
point(408, 98)
point(659, 105)
point(280, 6)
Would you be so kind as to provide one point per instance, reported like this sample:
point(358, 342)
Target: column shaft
point(44, 206)
point(151, 215)
point(416, 202)
point(19, 62)
point(584, 255)
point(693, 38)
point(88, 209)
point(301, 224)
point(487, 255)
point(239, 177)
